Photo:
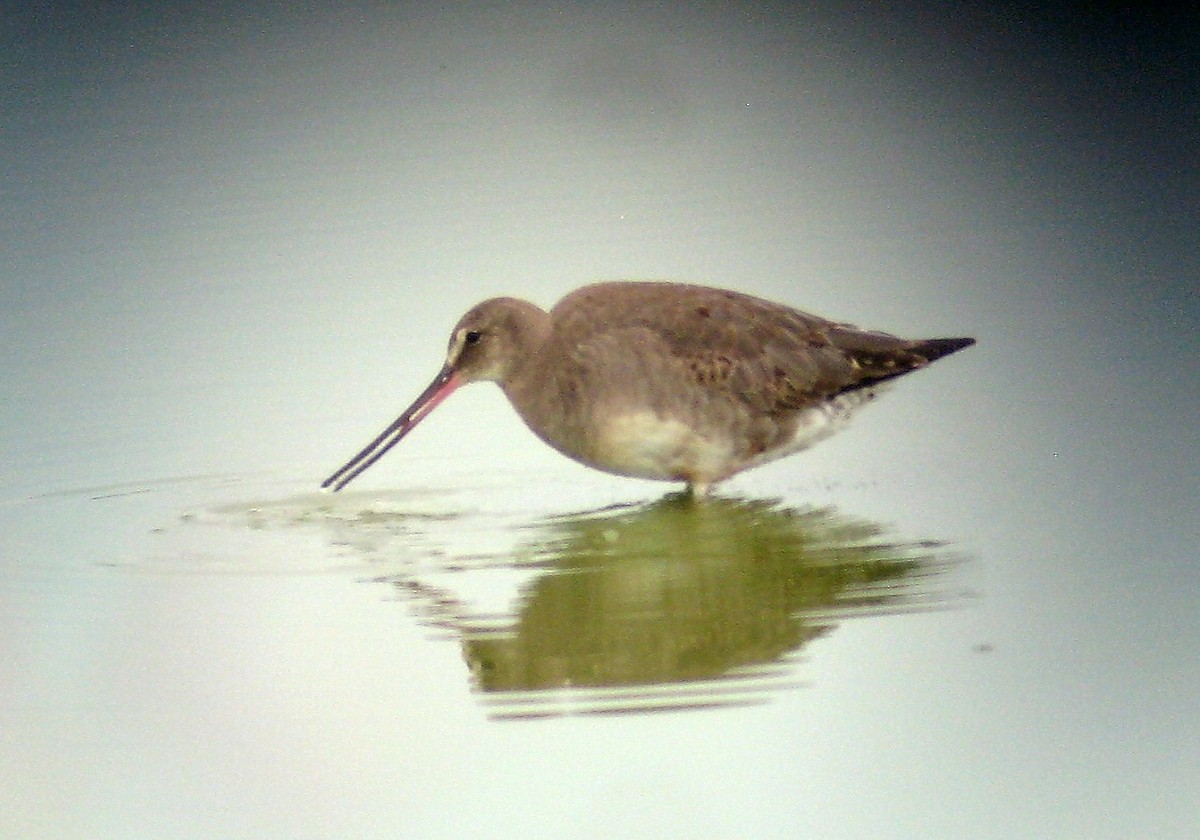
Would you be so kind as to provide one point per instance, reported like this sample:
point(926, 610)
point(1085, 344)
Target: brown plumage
point(666, 380)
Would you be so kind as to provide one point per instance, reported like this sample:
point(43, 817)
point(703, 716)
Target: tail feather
point(878, 365)
point(934, 348)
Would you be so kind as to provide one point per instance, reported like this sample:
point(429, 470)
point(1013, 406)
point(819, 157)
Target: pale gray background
point(233, 241)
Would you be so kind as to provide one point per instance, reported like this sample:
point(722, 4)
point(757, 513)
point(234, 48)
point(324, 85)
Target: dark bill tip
point(442, 386)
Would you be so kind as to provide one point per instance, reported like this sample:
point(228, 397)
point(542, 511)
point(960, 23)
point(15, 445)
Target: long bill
point(441, 387)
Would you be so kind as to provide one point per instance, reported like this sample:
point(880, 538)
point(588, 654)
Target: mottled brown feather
point(774, 358)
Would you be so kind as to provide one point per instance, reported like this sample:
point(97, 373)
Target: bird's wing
point(774, 358)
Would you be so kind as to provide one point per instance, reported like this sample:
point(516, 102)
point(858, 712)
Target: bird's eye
point(472, 337)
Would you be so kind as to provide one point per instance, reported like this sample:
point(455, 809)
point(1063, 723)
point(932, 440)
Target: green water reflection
point(673, 604)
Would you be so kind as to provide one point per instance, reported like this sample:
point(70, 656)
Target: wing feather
point(774, 358)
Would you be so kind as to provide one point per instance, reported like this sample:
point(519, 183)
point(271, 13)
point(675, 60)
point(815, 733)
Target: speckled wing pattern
point(774, 358)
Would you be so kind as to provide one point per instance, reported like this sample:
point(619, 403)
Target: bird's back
point(772, 357)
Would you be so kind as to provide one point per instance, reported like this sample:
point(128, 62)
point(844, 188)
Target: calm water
point(233, 246)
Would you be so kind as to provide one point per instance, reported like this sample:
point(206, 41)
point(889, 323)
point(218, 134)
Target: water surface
point(232, 246)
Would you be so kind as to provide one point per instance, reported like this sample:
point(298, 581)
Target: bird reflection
point(675, 605)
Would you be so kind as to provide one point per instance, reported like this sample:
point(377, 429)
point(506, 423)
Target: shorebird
point(665, 380)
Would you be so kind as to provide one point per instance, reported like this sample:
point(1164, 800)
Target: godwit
point(665, 380)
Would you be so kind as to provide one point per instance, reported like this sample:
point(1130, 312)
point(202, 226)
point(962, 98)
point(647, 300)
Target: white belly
point(646, 445)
